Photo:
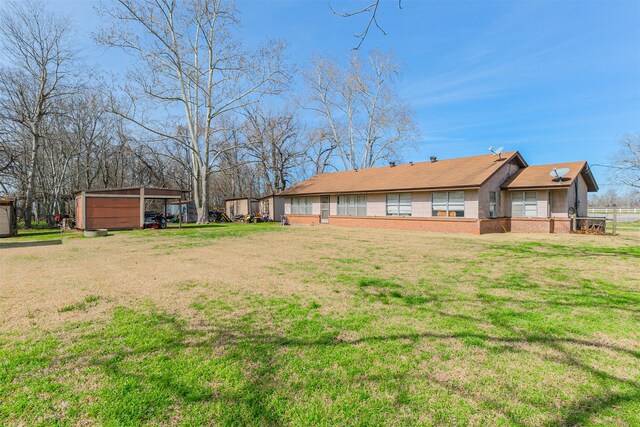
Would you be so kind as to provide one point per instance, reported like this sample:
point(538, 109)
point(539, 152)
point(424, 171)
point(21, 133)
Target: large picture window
point(399, 204)
point(524, 204)
point(352, 205)
point(301, 206)
point(448, 204)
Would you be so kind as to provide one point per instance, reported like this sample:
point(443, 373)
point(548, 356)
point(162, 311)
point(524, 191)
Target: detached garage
point(121, 208)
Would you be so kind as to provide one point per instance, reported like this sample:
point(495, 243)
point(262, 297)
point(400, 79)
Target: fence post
point(615, 220)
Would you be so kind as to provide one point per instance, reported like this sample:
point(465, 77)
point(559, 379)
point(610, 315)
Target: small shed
point(273, 206)
point(120, 208)
point(241, 206)
point(8, 217)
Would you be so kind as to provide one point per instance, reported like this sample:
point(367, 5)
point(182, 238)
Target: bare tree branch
point(372, 11)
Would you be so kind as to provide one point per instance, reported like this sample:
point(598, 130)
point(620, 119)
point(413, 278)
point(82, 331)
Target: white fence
point(611, 210)
point(623, 214)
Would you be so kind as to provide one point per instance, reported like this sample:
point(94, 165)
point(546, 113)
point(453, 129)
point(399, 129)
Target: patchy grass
point(548, 250)
point(89, 301)
point(626, 227)
point(497, 330)
point(191, 235)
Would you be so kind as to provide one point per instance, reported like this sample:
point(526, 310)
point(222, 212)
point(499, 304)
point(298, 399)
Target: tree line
point(197, 110)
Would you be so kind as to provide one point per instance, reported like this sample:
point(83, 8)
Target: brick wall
point(445, 225)
point(496, 225)
point(561, 225)
point(530, 225)
point(303, 219)
point(459, 225)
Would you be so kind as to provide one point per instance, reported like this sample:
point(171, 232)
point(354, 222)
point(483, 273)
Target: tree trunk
point(201, 196)
point(28, 203)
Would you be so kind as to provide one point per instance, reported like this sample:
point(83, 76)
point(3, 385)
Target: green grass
point(193, 235)
point(35, 225)
point(626, 227)
point(521, 333)
point(187, 236)
point(89, 301)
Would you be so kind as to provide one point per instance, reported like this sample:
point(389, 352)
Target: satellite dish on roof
point(559, 174)
point(497, 152)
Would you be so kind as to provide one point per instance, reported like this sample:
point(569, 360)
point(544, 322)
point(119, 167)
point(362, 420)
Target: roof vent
point(392, 164)
point(411, 163)
point(433, 159)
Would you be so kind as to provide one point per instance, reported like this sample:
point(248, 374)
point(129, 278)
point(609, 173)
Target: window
point(493, 204)
point(301, 206)
point(524, 204)
point(399, 204)
point(352, 205)
point(448, 204)
point(265, 206)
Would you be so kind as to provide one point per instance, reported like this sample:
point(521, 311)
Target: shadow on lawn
point(166, 361)
point(573, 414)
point(45, 232)
point(146, 352)
point(175, 226)
point(30, 244)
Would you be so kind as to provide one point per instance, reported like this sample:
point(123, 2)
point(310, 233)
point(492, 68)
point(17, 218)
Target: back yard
point(269, 325)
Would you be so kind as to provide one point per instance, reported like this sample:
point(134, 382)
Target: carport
point(120, 208)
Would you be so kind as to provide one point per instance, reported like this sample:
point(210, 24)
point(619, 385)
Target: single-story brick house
point(478, 194)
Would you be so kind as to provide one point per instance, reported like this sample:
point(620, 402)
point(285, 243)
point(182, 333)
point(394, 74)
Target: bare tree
point(364, 119)
point(628, 161)
point(273, 141)
point(9, 154)
point(34, 42)
point(192, 70)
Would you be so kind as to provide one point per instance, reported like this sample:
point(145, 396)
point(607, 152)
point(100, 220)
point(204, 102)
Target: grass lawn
point(258, 324)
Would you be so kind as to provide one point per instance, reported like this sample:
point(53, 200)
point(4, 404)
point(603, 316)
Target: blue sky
point(559, 81)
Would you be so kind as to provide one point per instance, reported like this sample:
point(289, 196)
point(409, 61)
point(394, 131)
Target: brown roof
point(132, 191)
point(538, 177)
point(464, 172)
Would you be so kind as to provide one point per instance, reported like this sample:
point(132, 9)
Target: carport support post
point(142, 207)
point(84, 210)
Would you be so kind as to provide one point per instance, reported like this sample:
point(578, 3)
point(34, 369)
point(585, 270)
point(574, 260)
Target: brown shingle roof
point(464, 172)
point(538, 177)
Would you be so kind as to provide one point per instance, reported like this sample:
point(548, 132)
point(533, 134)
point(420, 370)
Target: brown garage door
point(112, 212)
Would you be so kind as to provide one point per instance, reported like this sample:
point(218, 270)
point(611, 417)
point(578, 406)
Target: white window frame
point(301, 206)
point(494, 205)
point(351, 205)
point(445, 204)
point(399, 204)
point(524, 204)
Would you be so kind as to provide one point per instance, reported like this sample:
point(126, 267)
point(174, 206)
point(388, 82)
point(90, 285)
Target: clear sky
point(559, 81)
